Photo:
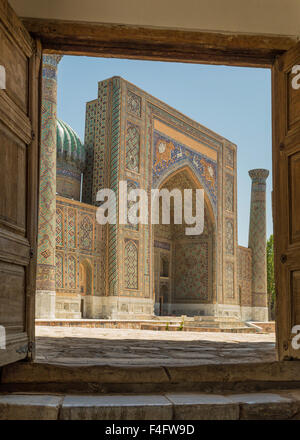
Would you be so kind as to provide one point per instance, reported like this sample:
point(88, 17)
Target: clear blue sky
point(232, 101)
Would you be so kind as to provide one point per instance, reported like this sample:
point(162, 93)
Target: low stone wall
point(139, 325)
point(267, 327)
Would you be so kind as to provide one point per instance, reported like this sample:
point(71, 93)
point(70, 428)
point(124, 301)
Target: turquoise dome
point(69, 147)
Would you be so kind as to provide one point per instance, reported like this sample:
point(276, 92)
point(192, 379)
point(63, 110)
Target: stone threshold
point(216, 378)
point(276, 405)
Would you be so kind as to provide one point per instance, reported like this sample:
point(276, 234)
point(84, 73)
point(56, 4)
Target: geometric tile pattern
point(72, 272)
point(84, 243)
point(47, 193)
point(59, 275)
point(114, 182)
point(59, 227)
point(131, 185)
point(134, 105)
point(244, 263)
point(132, 148)
point(229, 280)
point(71, 228)
point(229, 196)
point(257, 230)
point(131, 264)
point(86, 232)
point(98, 137)
point(229, 157)
point(89, 142)
point(229, 237)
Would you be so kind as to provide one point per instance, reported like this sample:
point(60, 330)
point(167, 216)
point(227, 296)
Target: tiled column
point(45, 294)
point(257, 242)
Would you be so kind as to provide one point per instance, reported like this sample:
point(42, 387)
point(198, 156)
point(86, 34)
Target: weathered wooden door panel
point(20, 55)
point(286, 186)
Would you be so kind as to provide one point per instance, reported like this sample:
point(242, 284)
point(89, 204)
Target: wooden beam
point(147, 43)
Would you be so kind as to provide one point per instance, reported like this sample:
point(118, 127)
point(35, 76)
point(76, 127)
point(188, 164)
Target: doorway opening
point(156, 278)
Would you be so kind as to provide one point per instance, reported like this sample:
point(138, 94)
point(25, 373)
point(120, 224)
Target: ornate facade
point(135, 271)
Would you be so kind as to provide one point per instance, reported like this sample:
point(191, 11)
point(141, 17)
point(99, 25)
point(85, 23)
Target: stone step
point(279, 405)
point(106, 379)
point(191, 327)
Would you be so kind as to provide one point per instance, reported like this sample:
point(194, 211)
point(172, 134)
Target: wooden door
point(286, 198)
point(20, 56)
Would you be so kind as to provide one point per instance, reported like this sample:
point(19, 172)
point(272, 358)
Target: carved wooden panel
point(18, 182)
point(12, 280)
point(16, 66)
point(294, 189)
point(295, 286)
point(12, 181)
point(286, 200)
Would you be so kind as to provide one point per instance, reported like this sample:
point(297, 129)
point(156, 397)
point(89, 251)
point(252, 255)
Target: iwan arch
point(136, 271)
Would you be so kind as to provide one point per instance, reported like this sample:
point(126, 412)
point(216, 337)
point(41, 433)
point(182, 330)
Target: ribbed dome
point(69, 146)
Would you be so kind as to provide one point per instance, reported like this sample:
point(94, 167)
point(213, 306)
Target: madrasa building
point(119, 271)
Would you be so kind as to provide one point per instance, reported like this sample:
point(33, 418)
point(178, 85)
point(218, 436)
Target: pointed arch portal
point(187, 286)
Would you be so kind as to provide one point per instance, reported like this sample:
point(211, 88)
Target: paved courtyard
point(103, 346)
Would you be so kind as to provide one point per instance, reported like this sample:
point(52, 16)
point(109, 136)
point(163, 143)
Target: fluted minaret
point(257, 242)
point(45, 285)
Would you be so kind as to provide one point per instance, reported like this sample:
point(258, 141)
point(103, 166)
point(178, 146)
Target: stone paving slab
point(29, 407)
point(197, 406)
point(116, 407)
point(279, 405)
point(264, 406)
point(97, 346)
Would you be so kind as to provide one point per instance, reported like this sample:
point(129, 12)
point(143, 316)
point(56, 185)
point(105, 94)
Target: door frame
point(157, 44)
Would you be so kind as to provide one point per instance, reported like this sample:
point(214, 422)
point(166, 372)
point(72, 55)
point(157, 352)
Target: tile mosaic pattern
point(82, 242)
point(131, 264)
point(114, 181)
point(132, 147)
point(100, 124)
point(229, 192)
point(134, 104)
point(257, 230)
point(244, 263)
point(229, 157)
point(47, 192)
point(229, 280)
point(59, 227)
point(192, 271)
point(131, 185)
point(86, 232)
point(229, 237)
point(71, 228)
point(72, 272)
point(59, 277)
point(169, 154)
point(91, 119)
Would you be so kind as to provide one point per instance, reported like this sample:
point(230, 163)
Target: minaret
point(257, 242)
point(45, 285)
